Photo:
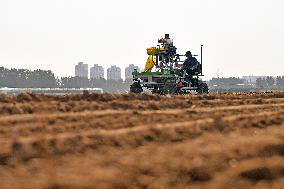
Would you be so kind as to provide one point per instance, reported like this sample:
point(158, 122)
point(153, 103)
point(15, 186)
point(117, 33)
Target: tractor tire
point(202, 89)
point(170, 88)
point(136, 88)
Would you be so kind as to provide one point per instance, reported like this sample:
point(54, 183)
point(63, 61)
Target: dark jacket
point(190, 64)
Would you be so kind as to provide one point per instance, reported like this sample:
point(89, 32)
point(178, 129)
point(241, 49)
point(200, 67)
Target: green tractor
point(172, 75)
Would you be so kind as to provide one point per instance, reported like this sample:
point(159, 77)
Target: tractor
point(167, 72)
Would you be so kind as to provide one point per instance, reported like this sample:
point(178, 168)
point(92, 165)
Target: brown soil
point(144, 141)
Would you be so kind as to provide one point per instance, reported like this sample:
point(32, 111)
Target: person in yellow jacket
point(150, 63)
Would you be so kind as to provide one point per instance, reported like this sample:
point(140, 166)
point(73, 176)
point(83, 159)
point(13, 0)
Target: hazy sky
point(241, 37)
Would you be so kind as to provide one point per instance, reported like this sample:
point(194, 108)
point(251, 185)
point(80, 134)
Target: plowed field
point(101, 141)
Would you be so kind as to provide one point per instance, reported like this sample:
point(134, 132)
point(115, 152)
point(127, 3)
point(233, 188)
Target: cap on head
point(188, 54)
point(167, 36)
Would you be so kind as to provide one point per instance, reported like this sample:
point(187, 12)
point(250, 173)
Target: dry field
point(125, 141)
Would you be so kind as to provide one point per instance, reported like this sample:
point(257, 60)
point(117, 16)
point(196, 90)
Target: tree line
point(267, 82)
point(25, 78)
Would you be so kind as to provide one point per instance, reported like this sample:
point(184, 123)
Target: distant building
point(129, 70)
point(114, 73)
point(97, 72)
point(81, 70)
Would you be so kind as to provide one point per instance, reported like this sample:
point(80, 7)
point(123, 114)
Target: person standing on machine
point(167, 41)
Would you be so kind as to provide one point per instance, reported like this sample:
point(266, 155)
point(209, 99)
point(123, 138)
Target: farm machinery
point(167, 72)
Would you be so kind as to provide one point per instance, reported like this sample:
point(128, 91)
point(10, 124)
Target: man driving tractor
point(191, 65)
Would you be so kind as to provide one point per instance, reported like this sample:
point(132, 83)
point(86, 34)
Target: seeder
point(167, 72)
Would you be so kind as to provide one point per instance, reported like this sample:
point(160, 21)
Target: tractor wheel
point(170, 88)
point(202, 88)
point(136, 88)
point(156, 90)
